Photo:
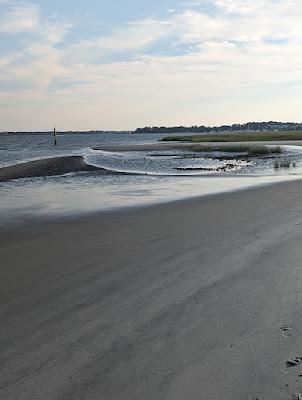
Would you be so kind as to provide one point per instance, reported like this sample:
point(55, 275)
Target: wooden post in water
point(54, 135)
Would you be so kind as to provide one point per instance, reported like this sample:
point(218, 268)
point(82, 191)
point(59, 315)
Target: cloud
point(129, 39)
point(19, 19)
point(37, 62)
point(241, 7)
point(244, 50)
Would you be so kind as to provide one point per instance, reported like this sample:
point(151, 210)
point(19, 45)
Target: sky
point(118, 65)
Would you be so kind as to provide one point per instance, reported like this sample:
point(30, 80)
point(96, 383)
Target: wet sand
point(197, 299)
point(49, 167)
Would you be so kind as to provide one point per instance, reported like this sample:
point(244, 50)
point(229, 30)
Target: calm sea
point(158, 175)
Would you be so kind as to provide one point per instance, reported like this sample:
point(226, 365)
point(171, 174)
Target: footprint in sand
point(294, 362)
point(285, 330)
point(295, 396)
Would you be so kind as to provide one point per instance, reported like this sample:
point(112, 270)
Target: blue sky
point(123, 64)
point(112, 13)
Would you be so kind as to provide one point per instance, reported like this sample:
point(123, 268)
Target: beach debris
point(294, 362)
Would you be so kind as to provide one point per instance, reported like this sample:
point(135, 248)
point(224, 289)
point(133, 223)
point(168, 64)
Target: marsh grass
point(237, 137)
point(284, 163)
point(253, 150)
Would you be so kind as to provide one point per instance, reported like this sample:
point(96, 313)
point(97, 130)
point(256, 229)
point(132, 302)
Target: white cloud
point(134, 36)
point(19, 19)
point(38, 62)
point(242, 7)
point(249, 49)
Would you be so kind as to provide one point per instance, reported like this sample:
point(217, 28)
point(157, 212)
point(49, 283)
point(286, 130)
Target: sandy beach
point(150, 200)
point(197, 299)
point(49, 167)
point(45, 167)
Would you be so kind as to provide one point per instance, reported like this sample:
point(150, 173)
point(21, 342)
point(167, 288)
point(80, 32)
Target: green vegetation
point(237, 137)
point(285, 163)
point(253, 150)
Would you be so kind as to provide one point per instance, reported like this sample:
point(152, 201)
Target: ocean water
point(156, 176)
point(16, 148)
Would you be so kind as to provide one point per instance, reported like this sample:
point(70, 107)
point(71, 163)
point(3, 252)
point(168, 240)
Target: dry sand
point(199, 299)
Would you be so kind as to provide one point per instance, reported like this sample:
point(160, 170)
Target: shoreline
point(175, 301)
point(27, 216)
point(183, 145)
point(61, 165)
point(50, 167)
